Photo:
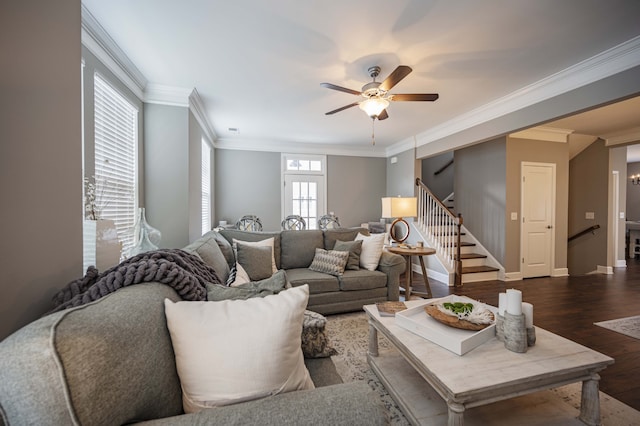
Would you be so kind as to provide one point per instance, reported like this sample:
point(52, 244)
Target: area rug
point(628, 326)
point(349, 333)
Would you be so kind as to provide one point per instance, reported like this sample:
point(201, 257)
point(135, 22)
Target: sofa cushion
point(238, 350)
point(208, 249)
point(256, 259)
point(298, 248)
point(318, 282)
point(362, 280)
point(330, 262)
point(372, 246)
point(253, 236)
point(330, 236)
point(355, 250)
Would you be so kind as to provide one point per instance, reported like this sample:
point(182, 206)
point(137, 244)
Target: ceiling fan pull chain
point(373, 136)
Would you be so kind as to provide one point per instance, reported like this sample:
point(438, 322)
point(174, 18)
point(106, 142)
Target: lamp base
point(392, 231)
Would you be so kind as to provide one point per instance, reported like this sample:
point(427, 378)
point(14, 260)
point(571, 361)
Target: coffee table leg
point(373, 340)
point(456, 414)
point(590, 401)
point(409, 284)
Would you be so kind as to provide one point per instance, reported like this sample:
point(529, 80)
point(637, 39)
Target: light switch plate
point(589, 215)
point(514, 215)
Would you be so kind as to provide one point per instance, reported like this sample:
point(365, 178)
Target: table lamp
point(399, 208)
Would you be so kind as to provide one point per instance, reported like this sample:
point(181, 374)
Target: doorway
point(537, 235)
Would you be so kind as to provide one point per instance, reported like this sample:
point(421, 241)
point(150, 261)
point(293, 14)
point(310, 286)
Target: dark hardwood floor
point(569, 306)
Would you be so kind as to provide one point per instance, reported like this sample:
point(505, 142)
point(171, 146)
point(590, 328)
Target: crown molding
point(196, 106)
point(95, 38)
point(298, 148)
point(166, 95)
point(542, 133)
point(622, 137)
point(402, 146)
point(605, 64)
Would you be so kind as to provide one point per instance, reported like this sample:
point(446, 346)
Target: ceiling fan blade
point(383, 115)
point(340, 88)
point(415, 97)
point(341, 109)
point(395, 77)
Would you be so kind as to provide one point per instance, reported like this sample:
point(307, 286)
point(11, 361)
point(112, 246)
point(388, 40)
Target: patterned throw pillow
point(330, 262)
point(354, 248)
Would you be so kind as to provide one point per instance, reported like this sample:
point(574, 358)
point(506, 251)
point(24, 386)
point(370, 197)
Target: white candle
point(527, 310)
point(502, 303)
point(514, 301)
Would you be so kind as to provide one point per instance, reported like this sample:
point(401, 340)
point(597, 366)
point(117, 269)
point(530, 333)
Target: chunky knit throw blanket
point(186, 273)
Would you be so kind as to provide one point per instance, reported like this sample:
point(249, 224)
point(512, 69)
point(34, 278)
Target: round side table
point(419, 252)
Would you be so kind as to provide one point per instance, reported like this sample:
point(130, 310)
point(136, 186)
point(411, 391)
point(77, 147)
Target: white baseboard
point(438, 276)
point(608, 270)
point(621, 264)
point(513, 276)
point(560, 272)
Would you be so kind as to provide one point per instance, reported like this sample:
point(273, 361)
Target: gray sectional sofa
point(111, 362)
point(294, 252)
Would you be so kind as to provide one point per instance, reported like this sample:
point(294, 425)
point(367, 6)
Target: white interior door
point(304, 196)
point(538, 213)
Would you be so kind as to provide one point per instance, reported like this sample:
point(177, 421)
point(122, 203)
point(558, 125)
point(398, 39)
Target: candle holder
point(515, 333)
point(500, 327)
point(531, 336)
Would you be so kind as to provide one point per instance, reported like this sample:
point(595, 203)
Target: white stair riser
point(479, 276)
point(473, 262)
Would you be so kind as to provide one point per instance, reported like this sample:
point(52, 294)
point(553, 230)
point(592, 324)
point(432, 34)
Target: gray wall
point(166, 158)
point(633, 192)
point(519, 150)
point(355, 187)
point(441, 184)
point(480, 193)
point(248, 182)
point(40, 156)
point(402, 174)
point(588, 177)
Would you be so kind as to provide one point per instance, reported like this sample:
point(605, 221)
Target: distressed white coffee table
point(422, 376)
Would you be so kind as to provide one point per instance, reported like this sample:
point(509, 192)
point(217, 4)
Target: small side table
point(419, 252)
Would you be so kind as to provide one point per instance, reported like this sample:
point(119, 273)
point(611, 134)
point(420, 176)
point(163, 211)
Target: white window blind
point(206, 187)
point(116, 137)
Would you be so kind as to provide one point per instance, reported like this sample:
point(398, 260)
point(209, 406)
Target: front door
point(538, 213)
point(304, 196)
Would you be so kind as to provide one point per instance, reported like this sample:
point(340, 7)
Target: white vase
point(102, 248)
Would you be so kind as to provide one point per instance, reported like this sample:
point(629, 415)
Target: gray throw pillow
point(330, 262)
point(256, 260)
point(354, 248)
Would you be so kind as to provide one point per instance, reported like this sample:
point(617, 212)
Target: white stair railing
point(441, 227)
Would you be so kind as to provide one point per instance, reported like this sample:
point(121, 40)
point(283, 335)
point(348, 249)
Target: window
point(304, 192)
point(116, 139)
point(206, 187)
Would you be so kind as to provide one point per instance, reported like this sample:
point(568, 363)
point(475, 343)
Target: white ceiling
point(258, 65)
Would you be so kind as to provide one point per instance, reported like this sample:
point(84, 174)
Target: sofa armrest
point(392, 265)
point(348, 404)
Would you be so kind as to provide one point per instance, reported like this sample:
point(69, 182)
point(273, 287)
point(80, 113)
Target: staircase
point(460, 254)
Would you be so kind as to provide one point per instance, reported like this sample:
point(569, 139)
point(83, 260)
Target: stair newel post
point(458, 276)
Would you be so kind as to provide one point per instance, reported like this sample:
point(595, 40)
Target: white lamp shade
point(399, 207)
point(374, 106)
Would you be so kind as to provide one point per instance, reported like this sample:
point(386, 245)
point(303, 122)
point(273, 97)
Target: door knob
point(549, 226)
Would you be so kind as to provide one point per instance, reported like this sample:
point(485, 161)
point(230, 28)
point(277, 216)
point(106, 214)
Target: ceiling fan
point(376, 95)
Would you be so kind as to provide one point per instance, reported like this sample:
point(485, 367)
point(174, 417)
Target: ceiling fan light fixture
point(374, 106)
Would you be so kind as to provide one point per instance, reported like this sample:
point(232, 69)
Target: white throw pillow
point(371, 250)
point(268, 242)
point(238, 350)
